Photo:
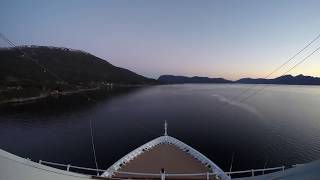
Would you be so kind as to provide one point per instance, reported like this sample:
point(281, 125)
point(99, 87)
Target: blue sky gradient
point(230, 39)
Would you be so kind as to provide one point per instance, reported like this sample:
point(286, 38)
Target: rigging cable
point(265, 165)
point(231, 165)
point(61, 79)
point(278, 68)
point(267, 85)
point(275, 70)
point(44, 69)
point(33, 60)
point(93, 147)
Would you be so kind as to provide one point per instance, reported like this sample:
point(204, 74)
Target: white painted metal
point(13, 167)
point(166, 128)
point(202, 174)
point(168, 175)
point(163, 176)
point(255, 170)
point(309, 171)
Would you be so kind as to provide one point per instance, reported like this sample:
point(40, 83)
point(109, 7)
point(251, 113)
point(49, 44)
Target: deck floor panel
point(164, 156)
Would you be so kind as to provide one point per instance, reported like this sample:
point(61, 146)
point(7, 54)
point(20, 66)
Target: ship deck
point(17, 168)
point(167, 157)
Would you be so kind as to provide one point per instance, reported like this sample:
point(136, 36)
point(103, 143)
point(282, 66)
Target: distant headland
point(286, 79)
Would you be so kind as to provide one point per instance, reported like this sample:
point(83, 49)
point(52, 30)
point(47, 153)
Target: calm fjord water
point(280, 125)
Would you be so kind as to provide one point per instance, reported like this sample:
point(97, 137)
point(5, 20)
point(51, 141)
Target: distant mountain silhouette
point(286, 79)
point(22, 79)
point(73, 66)
point(170, 79)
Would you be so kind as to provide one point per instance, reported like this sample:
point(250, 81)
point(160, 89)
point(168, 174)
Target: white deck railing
point(146, 175)
point(252, 171)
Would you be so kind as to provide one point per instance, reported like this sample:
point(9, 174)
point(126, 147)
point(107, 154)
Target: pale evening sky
point(231, 39)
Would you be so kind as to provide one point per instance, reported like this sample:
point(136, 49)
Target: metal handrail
point(68, 166)
point(256, 170)
point(170, 175)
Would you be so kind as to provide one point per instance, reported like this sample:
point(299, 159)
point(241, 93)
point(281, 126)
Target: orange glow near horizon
point(311, 68)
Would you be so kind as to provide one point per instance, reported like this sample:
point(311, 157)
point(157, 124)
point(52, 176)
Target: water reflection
point(281, 124)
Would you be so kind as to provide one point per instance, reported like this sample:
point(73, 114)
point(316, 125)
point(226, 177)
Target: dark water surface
point(280, 125)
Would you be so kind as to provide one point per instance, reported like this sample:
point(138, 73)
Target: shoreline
point(44, 95)
point(95, 89)
point(64, 93)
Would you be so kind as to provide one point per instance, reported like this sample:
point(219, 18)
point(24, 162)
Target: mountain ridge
point(71, 71)
point(73, 66)
point(170, 79)
point(285, 79)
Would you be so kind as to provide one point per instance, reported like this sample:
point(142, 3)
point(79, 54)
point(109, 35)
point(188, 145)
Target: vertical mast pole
point(165, 128)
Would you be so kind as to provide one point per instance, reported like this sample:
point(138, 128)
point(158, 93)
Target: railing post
point(40, 161)
point(252, 172)
point(208, 176)
point(163, 176)
point(283, 168)
point(68, 167)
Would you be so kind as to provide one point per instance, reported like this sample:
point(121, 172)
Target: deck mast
point(165, 128)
